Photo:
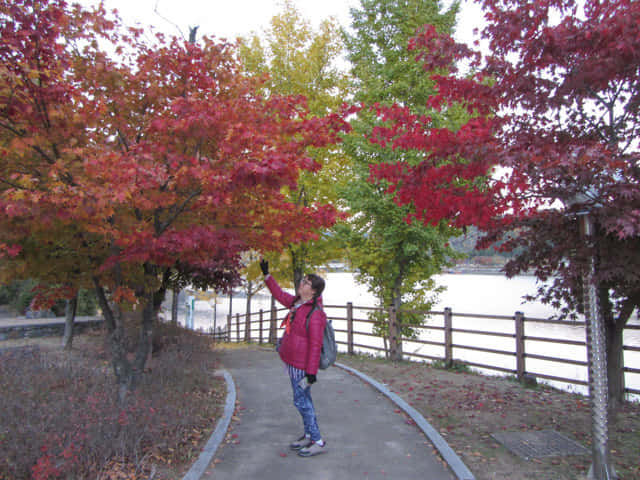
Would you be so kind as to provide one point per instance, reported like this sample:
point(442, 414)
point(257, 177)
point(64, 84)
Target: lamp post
point(601, 469)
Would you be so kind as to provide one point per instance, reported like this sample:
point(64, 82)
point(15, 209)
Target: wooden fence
point(448, 337)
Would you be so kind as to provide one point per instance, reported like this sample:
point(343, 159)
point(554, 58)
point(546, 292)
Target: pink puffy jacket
point(300, 347)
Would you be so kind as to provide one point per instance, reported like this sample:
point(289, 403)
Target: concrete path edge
point(455, 463)
point(209, 450)
point(204, 459)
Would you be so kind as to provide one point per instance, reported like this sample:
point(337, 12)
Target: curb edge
point(209, 450)
point(453, 461)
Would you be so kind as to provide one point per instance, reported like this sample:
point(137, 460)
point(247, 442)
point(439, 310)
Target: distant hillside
point(467, 244)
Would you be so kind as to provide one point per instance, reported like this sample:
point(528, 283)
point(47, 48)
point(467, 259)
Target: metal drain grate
point(537, 444)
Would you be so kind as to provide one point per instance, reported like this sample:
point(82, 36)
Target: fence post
point(519, 319)
point(260, 331)
point(229, 328)
point(238, 327)
point(350, 328)
point(272, 322)
point(448, 337)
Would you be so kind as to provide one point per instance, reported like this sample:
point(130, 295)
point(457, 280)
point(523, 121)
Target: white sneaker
point(313, 449)
point(302, 442)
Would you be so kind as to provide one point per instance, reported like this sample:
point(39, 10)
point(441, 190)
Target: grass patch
point(455, 366)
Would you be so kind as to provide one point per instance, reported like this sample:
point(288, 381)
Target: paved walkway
point(367, 435)
point(12, 321)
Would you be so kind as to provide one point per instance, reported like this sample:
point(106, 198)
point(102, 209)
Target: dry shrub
point(61, 419)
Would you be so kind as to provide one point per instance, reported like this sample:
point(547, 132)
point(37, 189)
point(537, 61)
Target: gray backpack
point(329, 350)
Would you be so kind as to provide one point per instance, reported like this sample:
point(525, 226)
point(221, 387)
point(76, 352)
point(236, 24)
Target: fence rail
point(435, 340)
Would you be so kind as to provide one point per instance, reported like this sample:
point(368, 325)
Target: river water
point(478, 294)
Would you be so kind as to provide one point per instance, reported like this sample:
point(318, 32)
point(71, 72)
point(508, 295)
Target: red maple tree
point(556, 104)
point(156, 164)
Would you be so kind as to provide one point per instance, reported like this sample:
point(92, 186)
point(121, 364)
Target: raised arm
point(280, 295)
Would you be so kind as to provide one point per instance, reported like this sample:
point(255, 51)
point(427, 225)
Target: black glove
point(264, 266)
point(311, 379)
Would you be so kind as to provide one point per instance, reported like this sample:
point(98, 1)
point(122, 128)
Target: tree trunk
point(615, 363)
point(70, 317)
point(174, 307)
point(128, 373)
point(143, 348)
point(298, 273)
point(395, 325)
point(614, 329)
point(395, 340)
point(116, 335)
point(297, 264)
point(247, 318)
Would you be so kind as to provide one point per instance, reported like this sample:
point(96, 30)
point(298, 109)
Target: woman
point(300, 351)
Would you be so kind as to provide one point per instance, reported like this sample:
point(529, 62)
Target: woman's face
point(305, 289)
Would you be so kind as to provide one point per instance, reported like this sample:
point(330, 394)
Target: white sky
point(220, 18)
point(232, 18)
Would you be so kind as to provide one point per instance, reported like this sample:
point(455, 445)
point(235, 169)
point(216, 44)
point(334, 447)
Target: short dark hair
point(317, 283)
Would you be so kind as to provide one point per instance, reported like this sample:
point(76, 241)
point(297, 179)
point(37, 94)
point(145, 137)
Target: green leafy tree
point(297, 60)
point(395, 258)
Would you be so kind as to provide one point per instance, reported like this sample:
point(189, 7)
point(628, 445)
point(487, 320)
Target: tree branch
point(155, 10)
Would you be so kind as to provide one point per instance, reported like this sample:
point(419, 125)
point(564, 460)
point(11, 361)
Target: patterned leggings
point(304, 404)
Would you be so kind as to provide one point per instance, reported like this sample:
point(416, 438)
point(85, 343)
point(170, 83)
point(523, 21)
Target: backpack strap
point(316, 307)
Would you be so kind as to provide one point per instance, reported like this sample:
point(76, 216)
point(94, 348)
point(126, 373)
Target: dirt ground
point(163, 428)
point(467, 409)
